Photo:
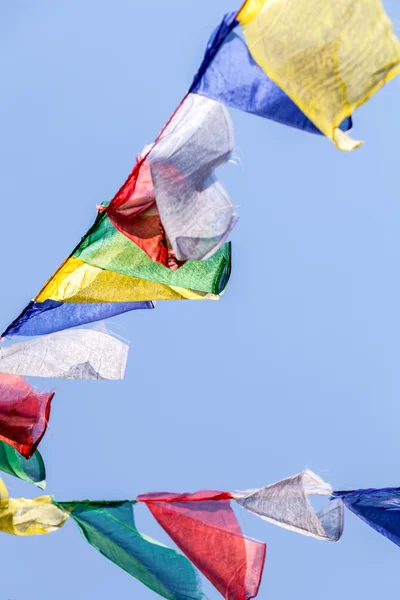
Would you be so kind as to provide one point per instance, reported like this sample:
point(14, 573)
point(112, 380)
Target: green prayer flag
point(13, 463)
point(110, 528)
point(106, 248)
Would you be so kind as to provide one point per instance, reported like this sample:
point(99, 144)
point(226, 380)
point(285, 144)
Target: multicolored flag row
point(305, 64)
point(308, 64)
point(205, 528)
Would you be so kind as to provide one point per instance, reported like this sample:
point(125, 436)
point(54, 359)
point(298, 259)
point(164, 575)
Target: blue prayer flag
point(230, 75)
point(379, 508)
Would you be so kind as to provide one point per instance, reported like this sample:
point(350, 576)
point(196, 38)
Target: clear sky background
point(296, 366)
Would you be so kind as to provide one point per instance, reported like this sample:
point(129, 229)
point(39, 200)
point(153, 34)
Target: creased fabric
point(133, 211)
point(13, 463)
point(329, 56)
point(34, 516)
point(205, 528)
point(286, 504)
point(49, 316)
point(110, 528)
point(172, 205)
point(74, 354)
point(106, 248)
point(378, 508)
point(229, 74)
point(108, 275)
point(79, 282)
point(24, 414)
point(195, 210)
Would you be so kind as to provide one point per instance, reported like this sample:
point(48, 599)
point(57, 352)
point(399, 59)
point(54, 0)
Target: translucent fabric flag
point(194, 208)
point(379, 508)
point(172, 205)
point(134, 212)
point(20, 516)
point(109, 274)
point(205, 528)
point(110, 528)
point(13, 463)
point(286, 504)
point(329, 56)
point(24, 414)
point(108, 249)
point(75, 354)
point(229, 74)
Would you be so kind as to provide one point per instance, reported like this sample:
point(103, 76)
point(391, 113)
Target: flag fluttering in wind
point(230, 75)
point(25, 517)
point(13, 463)
point(379, 508)
point(286, 503)
point(75, 354)
point(329, 57)
point(24, 414)
point(109, 274)
point(204, 526)
point(110, 528)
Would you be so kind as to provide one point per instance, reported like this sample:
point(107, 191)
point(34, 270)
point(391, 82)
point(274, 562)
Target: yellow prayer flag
point(36, 516)
point(79, 282)
point(329, 56)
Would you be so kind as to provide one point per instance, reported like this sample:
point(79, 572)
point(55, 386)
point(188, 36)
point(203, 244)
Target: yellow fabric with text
point(37, 516)
point(79, 282)
point(329, 56)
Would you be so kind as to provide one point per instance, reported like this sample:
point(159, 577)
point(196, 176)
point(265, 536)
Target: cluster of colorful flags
point(307, 64)
point(205, 528)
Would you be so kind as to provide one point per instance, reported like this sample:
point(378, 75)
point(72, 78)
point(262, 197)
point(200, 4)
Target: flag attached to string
point(110, 528)
point(109, 274)
point(195, 210)
point(204, 526)
point(25, 517)
point(229, 74)
point(328, 56)
point(49, 316)
point(379, 508)
point(190, 207)
point(75, 354)
point(286, 503)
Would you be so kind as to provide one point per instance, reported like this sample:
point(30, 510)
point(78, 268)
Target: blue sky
point(297, 365)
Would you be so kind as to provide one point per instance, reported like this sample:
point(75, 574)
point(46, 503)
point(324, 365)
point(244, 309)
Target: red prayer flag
point(133, 211)
point(24, 414)
point(204, 526)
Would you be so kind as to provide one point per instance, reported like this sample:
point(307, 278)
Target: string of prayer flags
point(109, 274)
point(205, 528)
